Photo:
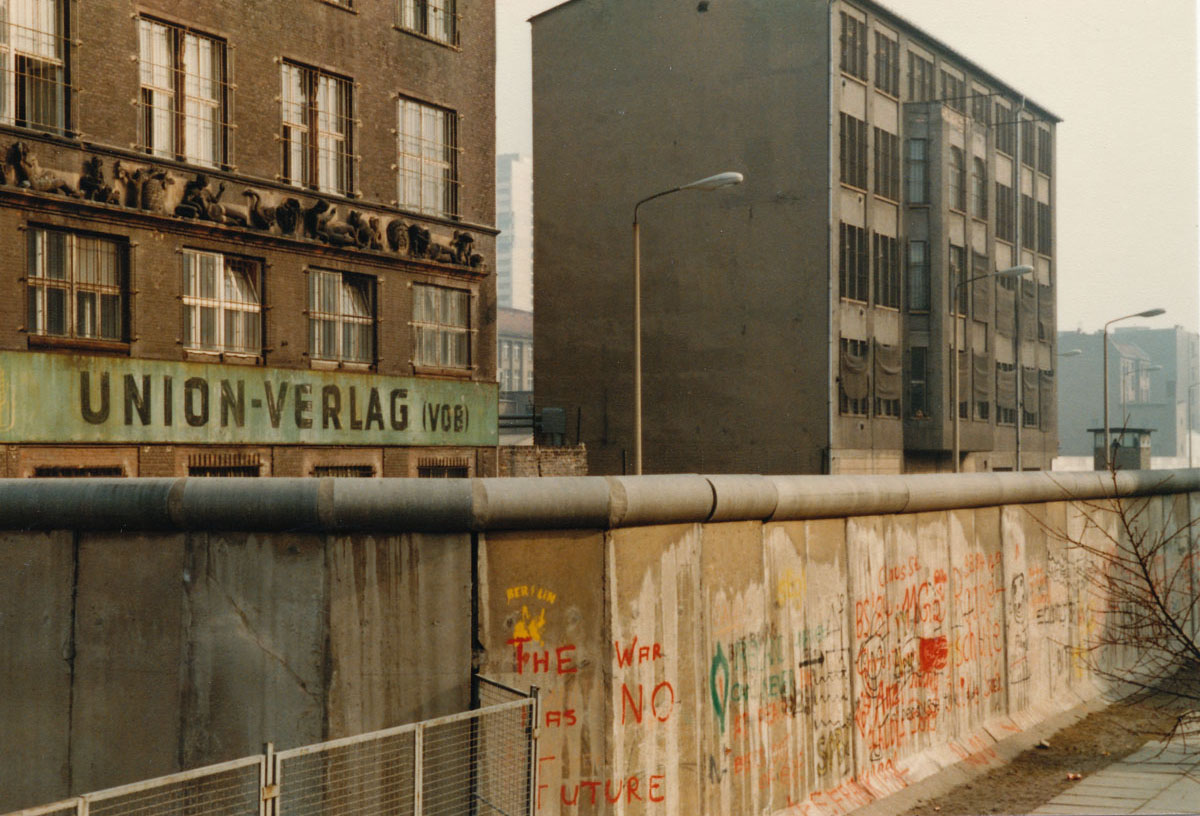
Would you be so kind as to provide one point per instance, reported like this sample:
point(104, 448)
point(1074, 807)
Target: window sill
point(860, 80)
point(453, 46)
point(230, 357)
point(52, 342)
point(442, 371)
point(854, 187)
point(339, 365)
point(343, 7)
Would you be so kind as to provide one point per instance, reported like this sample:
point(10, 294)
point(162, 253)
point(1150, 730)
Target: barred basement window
point(435, 19)
point(887, 271)
point(443, 468)
point(853, 266)
point(225, 464)
point(853, 151)
point(887, 164)
point(76, 471)
point(184, 100)
point(921, 79)
point(34, 48)
point(441, 319)
point(854, 46)
point(427, 158)
point(76, 285)
point(887, 64)
point(317, 110)
point(341, 316)
point(222, 303)
point(345, 471)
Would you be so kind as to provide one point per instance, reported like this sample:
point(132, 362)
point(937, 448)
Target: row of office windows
point(185, 102)
point(923, 86)
point(862, 253)
point(77, 287)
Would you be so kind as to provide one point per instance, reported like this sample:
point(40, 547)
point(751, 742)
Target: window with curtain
point(76, 285)
point(222, 303)
point(317, 112)
point(442, 326)
point(427, 158)
point(341, 316)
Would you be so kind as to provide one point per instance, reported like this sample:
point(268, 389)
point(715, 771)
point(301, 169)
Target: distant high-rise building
point(514, 218)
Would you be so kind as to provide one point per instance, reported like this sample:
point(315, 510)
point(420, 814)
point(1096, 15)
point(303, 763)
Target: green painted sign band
point(68, 398)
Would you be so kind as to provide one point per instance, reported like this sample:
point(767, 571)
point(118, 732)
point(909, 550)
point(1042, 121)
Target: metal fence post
point(418, 769)
point(269, 801)
point(535, 712)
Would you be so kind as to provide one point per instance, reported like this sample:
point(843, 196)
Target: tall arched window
point(979, 189)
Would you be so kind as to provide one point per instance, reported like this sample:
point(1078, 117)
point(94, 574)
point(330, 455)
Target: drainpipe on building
point(831, 295)
point(1017, 340)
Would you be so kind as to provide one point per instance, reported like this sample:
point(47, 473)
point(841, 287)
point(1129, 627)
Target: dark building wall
point(632, 98)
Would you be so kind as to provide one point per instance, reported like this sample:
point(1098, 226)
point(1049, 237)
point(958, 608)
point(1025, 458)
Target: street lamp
point(1107, 432)
point(1011, 272)
point(709, 183)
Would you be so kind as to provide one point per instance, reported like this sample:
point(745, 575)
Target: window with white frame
point(222, 303)
point(341, 316)
point(34, 49)
point(317, 110)
point(442, 326)
point(76, 285)
point(427, 159)
point(184, 94)
point(436, 19)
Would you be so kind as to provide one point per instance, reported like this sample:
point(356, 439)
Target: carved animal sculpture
point(418, 241)
point(397, 235)
point(92, 185)
point(440, 253)
point(132, 181)
point(462, 244)
point(287, 215)
point(315, 219)
point(341, 233)
point(260, 217)
point(29, 173)
point(376, 235)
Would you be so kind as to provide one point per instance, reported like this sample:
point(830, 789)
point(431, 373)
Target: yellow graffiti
point(529, 628)
point(531, 591)
point(790, 587)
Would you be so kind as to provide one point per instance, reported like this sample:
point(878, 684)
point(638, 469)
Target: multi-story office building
point(1152, 383)
point(806, 320)
point(514, 338)
point(247, 238)
point(514, 219)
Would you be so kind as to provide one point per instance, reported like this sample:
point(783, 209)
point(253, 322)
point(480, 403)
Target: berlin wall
point(702, 644)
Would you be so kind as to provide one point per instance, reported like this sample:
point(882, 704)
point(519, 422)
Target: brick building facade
point(248, 238)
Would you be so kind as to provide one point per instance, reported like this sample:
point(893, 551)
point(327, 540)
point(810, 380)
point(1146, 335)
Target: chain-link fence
point(479, 763)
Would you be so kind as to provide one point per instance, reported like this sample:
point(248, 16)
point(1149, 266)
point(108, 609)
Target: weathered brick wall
point(534, 460)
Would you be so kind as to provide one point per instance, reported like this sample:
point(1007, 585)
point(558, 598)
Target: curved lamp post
point(709, 183)
point(1011, 272)
point(1107, 433)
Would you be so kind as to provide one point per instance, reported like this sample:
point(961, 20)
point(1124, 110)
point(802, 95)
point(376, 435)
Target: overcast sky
point(1121, 74)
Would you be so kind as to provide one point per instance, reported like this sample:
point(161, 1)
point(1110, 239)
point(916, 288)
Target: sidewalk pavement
point(1159, 778)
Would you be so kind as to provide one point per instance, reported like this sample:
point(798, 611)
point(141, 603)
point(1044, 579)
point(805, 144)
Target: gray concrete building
point(805, 320)
point(1152, 379)
point(514, 219)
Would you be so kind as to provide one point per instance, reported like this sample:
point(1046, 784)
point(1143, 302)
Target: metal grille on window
point(184, 97)
point(75, 286)
point(34, 52)
point(225, 464)
point(222, 303)
point(443, 468)
point(341, 317)
point(317, 111)
point(76, 471)
point(441, 319)
point(427, 159)
point(436, 19)
point(345, 471)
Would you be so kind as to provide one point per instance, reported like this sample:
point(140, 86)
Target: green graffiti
point(719, 697)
